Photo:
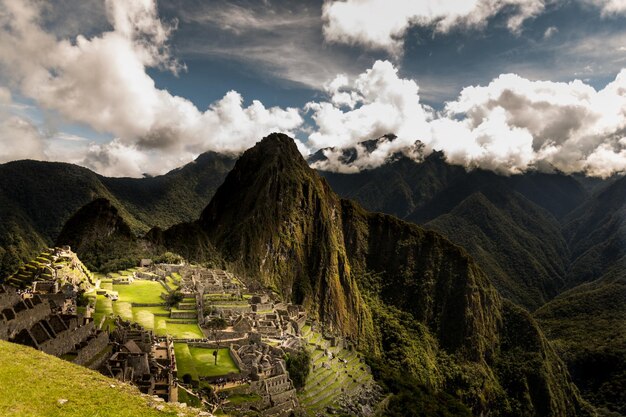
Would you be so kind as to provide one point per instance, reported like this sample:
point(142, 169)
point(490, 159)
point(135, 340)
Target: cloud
point(609, 7)
point(550, 32)
point(102, 81)
point(380, 24)
point(510, 125)
point(19, 139)
point(281, 40)
point(383, 25)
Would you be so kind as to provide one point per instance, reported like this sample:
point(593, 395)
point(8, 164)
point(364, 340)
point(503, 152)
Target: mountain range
point(437, 290)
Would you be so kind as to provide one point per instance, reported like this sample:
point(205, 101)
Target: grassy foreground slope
point(32, 383)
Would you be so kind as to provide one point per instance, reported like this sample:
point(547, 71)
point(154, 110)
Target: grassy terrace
point(140, 291)
point(199, 362)
point(323, 386)
point(154, 317)
point(88, 393)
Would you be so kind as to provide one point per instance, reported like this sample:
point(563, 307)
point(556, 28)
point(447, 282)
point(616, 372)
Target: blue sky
point(62, 63)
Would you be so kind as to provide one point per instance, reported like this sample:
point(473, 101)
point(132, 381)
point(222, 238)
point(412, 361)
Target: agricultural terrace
point(141, 302)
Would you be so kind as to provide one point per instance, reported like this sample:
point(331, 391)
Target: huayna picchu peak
point(409, 298)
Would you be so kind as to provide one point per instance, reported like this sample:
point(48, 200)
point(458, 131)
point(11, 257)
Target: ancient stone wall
point(91, 347)
point(23, 315)
point(65, 341)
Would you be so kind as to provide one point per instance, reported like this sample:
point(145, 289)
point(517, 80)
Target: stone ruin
point(143, 359)
point(267, 371)
point(31, 320)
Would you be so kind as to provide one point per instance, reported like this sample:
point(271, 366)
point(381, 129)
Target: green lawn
point(185, 362)
point(205, 362)
point(140, 291)
point(183, 331)
point(199, 362)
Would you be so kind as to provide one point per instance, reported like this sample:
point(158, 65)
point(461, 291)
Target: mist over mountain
point(520, 228)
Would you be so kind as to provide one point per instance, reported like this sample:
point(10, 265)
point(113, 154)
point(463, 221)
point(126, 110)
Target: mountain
point(101, 237)
point(418, 304)
point(37, 198)
point(587, 326)
point(596, 234)
point(510, 225)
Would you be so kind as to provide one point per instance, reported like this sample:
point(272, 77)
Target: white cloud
point(550, 32)
point(510, 125)
point(102, 82)
point(609, 7)
point(380, 24)
point(19, 139)
point(380, 103)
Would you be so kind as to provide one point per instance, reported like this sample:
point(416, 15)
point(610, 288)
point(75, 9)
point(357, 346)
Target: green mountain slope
point(517, 243)
point(587, 326)
point(409, 297)
point(596, 233)
point(32, 384)
point(513, 232)
point(37, 198)
point(101, 237)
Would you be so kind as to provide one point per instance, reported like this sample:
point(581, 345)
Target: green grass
point(144, 292)
point(205, 362)
point(238, 399)
point(140, 291)
point(32, 382)
point(183, 331)
point(185, 362)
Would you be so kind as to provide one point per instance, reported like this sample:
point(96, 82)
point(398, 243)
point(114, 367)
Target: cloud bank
point(102, 82)
point(509, 126)
point(354, 22)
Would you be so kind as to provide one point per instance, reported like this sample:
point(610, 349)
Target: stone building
point(33, 322)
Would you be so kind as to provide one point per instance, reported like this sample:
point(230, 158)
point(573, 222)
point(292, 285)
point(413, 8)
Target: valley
point(351, 311)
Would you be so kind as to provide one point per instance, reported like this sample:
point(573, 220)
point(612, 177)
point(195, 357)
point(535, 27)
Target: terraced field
point(329, 378)
point(152, 314)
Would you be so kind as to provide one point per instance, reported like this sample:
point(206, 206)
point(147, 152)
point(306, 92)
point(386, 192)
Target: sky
point(133, 88)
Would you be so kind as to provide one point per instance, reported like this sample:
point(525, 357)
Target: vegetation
point(168, 258)
point(298, 366)
point(410, 398)
point(37, 199)
point(173, 298)
point(141, 291)
point(198, 362)
point(33, 383)
point(587, 328)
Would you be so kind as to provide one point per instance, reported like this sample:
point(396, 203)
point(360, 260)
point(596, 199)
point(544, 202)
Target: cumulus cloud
point(19, 139)
point(381, 24)
point(510, 125)
point(102, 81)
